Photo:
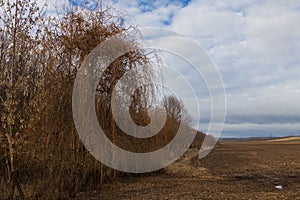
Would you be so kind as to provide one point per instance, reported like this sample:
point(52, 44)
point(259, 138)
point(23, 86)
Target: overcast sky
point(256, 46)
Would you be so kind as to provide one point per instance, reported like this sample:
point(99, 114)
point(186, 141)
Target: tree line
point(41, 154)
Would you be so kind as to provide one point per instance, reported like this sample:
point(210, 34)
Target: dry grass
point(288, 139)
point(242, 170)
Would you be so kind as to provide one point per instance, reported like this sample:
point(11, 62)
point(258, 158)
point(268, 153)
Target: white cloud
point(255, 44)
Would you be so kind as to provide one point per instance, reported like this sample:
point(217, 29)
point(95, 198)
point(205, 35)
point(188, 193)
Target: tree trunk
point(13, 175)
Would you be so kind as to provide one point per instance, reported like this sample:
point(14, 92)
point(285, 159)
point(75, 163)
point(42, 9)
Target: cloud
point(256, 46)
point(151, 13)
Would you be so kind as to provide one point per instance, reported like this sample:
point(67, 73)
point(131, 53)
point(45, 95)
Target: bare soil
point(241, 170)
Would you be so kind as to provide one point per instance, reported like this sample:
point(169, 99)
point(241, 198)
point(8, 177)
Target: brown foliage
point(39, 60)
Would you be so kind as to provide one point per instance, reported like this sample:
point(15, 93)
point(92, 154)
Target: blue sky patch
point(146, 6)
point(87, 4)
point(149, 6)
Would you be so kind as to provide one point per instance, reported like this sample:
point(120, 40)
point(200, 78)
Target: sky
point(255, 45)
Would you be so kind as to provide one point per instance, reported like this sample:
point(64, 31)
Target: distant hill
point(267, 139)
point(287, 139)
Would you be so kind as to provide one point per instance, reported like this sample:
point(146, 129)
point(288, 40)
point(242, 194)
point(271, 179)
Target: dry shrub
point(40, 149)
point(58, 151)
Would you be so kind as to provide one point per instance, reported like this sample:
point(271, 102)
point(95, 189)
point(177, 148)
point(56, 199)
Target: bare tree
point(18, 65)
point(176, 111)
point(39, 60)
point(67, 41)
